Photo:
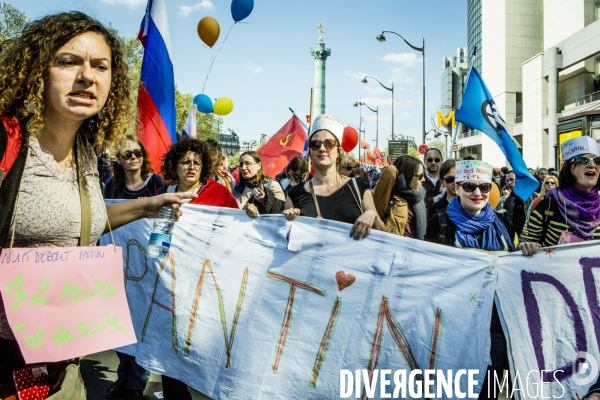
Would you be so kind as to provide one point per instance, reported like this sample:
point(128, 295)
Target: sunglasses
point(470, 187)
point(194, 163)
point(587, 161)
point(449, 179)
point(316, 144)
point(550, 183)
point(420, 176)
point(437, 160)
point(128, 154)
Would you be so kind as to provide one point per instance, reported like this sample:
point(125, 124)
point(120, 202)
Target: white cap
point(578, 146)
point(473, 170)
point(329, 124)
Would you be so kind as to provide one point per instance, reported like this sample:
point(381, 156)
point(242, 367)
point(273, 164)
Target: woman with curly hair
point(64, 92)
point(187, 167)
point(256, 192)
point(132, 173)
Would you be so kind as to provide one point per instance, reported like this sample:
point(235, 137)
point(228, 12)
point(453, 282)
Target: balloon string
point(215, 57)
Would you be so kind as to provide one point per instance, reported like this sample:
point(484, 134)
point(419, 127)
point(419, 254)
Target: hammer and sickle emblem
point(284, 141)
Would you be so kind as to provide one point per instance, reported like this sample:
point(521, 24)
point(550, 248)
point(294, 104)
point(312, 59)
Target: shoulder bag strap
point(359, 199)
point(84, 194)
point(312, 192)
point(545, 222)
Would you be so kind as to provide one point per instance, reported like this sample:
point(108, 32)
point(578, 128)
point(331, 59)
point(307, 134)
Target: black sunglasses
point(587, 161)
point(449, 179)
point(470, 187)
point(437, 160)
point(420, 176)
point(127, 155)
point(316, 144)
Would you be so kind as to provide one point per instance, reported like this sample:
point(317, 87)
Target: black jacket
point(516, 211)
point(431, 190)
point(10, 185)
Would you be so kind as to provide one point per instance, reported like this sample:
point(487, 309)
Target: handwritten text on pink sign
point(67, 302)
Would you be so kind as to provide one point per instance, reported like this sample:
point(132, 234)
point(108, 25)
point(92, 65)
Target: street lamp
point(381, 38)
point(364, 80)
point(359, 104)
point(360, 131)
point(376, 111)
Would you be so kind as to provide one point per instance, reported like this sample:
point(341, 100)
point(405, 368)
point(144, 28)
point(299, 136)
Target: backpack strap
point(443, 223)
point(547, 213)
point(10, 146)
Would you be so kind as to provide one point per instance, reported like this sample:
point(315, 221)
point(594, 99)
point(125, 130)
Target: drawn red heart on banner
point(344, 280)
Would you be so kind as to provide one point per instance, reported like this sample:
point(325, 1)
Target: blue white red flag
point(189, 128)
point(479, 111)
point(156, 95)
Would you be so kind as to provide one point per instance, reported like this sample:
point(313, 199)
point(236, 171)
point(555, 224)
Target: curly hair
point(178, 150)
point(24, 67)
point(260, 175)
point(119, 172)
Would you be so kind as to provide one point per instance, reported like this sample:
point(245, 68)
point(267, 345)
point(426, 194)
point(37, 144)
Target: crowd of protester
point(56, 178)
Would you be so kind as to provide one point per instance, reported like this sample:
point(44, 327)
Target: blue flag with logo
point(479, 111)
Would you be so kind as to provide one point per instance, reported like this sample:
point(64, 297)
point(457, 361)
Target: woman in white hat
point(571, 212)
point(329, 194)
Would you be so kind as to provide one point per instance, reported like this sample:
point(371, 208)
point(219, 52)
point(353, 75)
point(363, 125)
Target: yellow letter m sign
point(448, 121)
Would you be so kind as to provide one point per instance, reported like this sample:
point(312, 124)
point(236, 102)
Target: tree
point(234, 160)
point(12, 22)
point(413, 152)
point(440, 145)
point(207, 125)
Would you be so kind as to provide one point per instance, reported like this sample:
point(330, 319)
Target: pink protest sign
point(65, 302)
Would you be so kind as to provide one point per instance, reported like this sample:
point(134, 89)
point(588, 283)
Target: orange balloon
point(494, 196)
point(209, 30)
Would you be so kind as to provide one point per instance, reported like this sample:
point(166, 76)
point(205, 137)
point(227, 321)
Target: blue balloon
point(240, 9)
point(203, 103)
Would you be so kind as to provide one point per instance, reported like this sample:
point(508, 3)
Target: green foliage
point(12, 21)
point(413, 152)
point(234, 160)
point(207, 125)
point(440, 145)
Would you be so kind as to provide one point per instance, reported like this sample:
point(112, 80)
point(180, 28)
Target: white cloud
point(399, 76)
point(406, 114)
point(377, 101)
point(374, 89)
point(184, 11)
point(406, 59)
point(128, 3)
point(254, 68)
point(355, 75)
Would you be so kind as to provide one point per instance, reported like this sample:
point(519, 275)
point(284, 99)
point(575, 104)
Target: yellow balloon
point(223, 106)
point(209, 30)
point(494, 196)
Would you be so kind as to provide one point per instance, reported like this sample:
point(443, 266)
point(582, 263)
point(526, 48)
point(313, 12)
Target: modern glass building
point(474, 30)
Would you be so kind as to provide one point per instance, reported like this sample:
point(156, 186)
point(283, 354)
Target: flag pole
point(297, 117)
point(309, 129)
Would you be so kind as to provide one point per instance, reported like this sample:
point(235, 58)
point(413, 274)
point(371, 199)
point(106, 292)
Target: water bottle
point(160, 238)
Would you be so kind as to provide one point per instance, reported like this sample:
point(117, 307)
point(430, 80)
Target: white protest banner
point(550, 313)
point(65, 302)
point(265, 308)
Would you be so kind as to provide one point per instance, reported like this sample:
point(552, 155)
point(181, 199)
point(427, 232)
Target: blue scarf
point(486, 223)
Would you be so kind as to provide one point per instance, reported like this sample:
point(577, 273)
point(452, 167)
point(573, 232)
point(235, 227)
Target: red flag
point(365, 145)
point(370, 157)
point(378, 153)
point(286, 144)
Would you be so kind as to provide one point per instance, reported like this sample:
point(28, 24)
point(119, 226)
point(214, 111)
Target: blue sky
point(265, 65)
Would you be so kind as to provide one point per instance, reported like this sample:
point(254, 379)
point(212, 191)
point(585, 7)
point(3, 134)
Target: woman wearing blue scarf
point(470, 222)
